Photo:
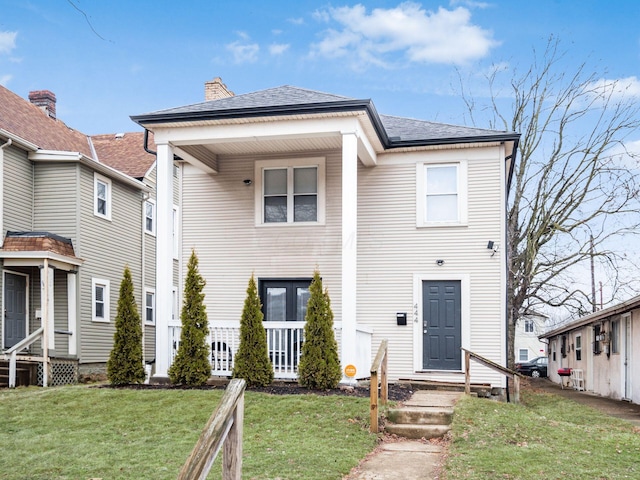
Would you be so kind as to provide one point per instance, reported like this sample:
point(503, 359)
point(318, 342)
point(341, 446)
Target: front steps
point(427, 414)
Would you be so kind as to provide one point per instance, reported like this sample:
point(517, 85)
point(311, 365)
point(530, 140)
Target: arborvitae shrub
point(125, 361)
point(252, 359)
point(191, 365)
point(319, 364)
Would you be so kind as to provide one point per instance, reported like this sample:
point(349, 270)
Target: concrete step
point(421, 415)
point(417, 431)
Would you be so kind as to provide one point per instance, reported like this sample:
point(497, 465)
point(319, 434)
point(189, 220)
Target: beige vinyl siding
point(107, 246)
point(391, 250)
point(56, 199)
point(218, 221)
point(18, 191)
point(61, 311)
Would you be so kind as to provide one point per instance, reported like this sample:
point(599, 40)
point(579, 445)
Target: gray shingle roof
point(288, 100)
point(272, 97)
point(410, 129)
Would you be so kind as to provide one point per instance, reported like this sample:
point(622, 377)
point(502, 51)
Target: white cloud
point(296, 21)
point(378, 37)
point(470, 3)
point(243, 52)
point(7, 41)
point(278, 48)
point(627, 155)
point(4, 79)
point(617, 89)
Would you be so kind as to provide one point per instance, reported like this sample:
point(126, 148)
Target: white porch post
point(164, 256)
point(46, 304)
point(72, 320)
point(349, 249)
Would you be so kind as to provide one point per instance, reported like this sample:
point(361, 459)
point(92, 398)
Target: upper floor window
point(528, 325)
point(102, 196)
point(100, 300)
point(442, 194)
point(150, 217)
point(290, 192)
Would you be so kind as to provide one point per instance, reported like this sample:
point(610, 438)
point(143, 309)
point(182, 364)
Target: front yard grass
point(545, 437)
point(80, 432)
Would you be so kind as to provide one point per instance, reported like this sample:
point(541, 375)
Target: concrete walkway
point(398, 458)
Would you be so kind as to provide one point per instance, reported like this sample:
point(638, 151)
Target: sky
point(107, 60)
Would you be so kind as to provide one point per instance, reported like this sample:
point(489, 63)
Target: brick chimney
point(46, 100)
point(215, 90)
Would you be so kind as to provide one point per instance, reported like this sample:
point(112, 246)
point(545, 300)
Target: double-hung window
point(442, 194)
point(149, 306)
point(528, 326)
point(290, 192)
point(578, 347)
point(102, 196)
point(100, 300)
point(150, 217)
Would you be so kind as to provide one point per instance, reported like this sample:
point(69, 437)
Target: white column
point(44, 305)
point(349, 249)
point(164, 256)
point(72, 309)
point(50, 308)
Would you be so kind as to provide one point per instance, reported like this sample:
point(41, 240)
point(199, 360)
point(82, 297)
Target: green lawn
point(81, 432)
point(545, 437)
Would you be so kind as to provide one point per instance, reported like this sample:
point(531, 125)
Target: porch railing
point(284, 345)
point(12, 353)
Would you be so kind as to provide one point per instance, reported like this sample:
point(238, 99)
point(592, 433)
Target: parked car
point(533, 368)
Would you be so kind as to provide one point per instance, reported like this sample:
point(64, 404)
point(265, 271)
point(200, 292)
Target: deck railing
point(284, 345)
point(12, 354)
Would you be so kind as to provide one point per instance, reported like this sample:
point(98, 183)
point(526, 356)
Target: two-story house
point(403, 218)
point(70, 224)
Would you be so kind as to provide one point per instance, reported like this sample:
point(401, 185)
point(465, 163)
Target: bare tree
point(573, 196)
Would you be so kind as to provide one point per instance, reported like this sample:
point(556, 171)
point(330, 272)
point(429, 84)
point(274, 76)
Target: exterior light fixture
point(439, 262)
point(247, 181)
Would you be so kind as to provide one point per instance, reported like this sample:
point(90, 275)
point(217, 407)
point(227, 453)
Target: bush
point(191, 365)
point(125, 360)
point(319, 364)
point(252, 360)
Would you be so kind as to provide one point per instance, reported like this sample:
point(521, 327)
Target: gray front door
point(15, 309)
point(441, 325)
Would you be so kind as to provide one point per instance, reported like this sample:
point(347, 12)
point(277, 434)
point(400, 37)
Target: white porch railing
point(284, 344)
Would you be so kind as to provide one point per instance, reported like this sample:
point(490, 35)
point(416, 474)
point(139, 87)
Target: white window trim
point(152, 291)
point(176, 232)
point(260, 165)
point(97, 178)
point(421, 193)
point(525, 350)
point(576, 348)
point(107, 300)
point(144, 217)
point(175, 310)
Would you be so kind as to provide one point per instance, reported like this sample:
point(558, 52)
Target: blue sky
point(132, 57)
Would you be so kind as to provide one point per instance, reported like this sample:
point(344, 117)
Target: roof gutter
point(623, 307)
point(60, 156)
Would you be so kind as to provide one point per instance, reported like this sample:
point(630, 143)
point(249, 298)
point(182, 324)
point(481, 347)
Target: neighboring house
point(397, 214)
point(527, 345)
point(600, 349)
point(70, 224)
